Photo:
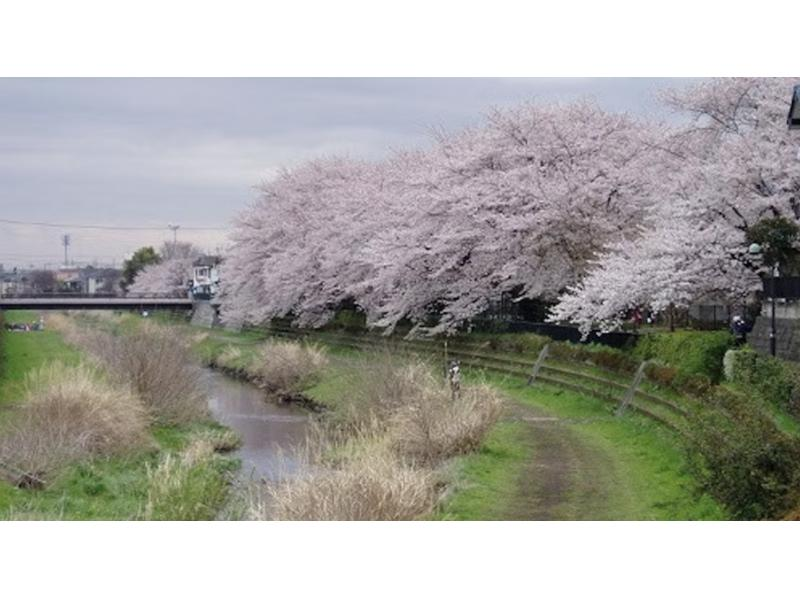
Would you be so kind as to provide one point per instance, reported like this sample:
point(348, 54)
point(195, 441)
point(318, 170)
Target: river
point(271, 433)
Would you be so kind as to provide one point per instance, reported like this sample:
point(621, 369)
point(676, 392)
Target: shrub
point(374, 486)
point(288, 367)
point(191, 486)
point(741, 457)
point(68, 413)
point(599, 355)
point(772, 379)
point(662, 375)
point(510, 343)
point(693, 353)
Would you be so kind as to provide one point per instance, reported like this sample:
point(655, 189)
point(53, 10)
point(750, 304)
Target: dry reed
point(287, 367)
point(69, 413)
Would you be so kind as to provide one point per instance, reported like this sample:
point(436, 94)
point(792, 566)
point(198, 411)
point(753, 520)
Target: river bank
point(555, 454)
point(121, 486)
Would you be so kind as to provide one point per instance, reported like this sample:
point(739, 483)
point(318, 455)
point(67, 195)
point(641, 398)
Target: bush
point(742, 459)
point(187, 487)
point(508, 343)
point(374, 486)
point(288, 367)
point(69, 413)
point(772, 379)
point(599, 355)
point(349, 320)
point(692, 353)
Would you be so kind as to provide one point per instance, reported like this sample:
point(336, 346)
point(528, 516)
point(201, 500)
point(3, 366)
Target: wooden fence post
point(538, 365)
point(631, 392)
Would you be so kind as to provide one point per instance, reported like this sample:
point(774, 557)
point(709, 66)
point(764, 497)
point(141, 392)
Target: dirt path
point(567, 479)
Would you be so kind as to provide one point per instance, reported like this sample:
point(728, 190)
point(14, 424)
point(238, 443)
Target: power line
point(109, 227)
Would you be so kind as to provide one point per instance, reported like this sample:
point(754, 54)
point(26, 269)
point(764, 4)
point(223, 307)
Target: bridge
point(89, 302)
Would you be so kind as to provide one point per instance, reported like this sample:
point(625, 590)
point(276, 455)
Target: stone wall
point(204, 314)
point(787, 343)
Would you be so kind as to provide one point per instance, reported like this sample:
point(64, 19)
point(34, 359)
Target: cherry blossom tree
point(170, 275)
point(563, 202)
point(732, 164)
point(524, 201)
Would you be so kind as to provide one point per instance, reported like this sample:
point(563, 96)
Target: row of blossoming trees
point(594, 211)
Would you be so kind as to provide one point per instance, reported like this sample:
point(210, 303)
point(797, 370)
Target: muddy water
point(271, 433)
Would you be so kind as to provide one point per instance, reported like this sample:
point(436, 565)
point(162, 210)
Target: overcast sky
point(150, 152)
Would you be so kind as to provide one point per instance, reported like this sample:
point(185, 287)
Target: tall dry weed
point(68, 413)
point(349, 480)
point(288, 367)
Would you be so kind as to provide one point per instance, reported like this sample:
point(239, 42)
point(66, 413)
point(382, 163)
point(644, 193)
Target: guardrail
point(605, 385)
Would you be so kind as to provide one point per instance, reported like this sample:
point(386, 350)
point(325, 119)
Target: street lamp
point(757, 251)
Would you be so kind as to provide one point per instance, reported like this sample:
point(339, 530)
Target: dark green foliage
point(599, 355)
point(741, 458)
point(143, 256)
point(692, 353)
point(772, 379)
point(349, 320)
point(504, 343)
point(778, 237)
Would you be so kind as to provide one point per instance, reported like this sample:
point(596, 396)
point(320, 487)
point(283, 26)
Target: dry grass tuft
point(153, 360)
point(160, 368)
point(156, 363)
point(222, 440)
point(230, 358)
point(432, 426)
point(372, 484)
point(421, 418)
point(68, 413)
point(288, 367)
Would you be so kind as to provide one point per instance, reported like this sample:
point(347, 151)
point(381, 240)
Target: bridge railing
point(47, 295)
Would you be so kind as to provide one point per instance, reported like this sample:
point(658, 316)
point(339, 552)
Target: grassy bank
point(627, 468)
point(644, 474)
point(125, 486)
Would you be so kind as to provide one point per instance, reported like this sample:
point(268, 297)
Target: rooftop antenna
point(65, 240)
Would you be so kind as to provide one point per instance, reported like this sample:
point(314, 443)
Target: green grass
point(648, 475)
point(108, 488)
point(486, 482)
point(112, 488)
point(638, 466)
point(23, 352)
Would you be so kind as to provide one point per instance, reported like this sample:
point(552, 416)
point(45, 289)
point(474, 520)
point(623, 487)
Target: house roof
point(206, 260)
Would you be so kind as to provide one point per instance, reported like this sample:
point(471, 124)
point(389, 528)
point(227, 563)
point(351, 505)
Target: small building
point(205, 277)
point(100, 281)
point(15, 282)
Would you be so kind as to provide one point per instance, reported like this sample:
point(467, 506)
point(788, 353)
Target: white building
point(205, 277)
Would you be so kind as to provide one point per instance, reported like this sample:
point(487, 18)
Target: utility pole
point(65, 240)
point(174, 228)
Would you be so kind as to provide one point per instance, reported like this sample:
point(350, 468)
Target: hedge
point(692, 353)
point(772, 379)
point(741, 458)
